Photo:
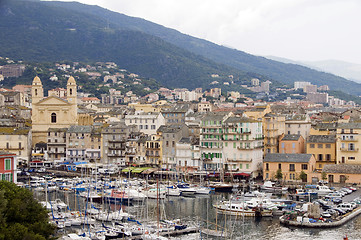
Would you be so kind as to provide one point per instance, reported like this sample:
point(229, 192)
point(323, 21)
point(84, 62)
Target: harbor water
point(199, 211)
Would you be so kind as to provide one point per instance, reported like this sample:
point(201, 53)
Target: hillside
point(37, 31)
point(282, 72)
point(57, 31)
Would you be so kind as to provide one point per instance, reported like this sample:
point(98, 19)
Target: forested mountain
point(55, 31)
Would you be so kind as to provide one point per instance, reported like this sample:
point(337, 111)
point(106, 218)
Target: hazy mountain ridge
point(351, 71)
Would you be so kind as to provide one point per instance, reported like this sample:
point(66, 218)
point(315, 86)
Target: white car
point(347, 207)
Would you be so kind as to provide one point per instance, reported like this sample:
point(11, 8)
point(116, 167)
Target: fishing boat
point(118, 196)
point(271, 186)
point(241, 209)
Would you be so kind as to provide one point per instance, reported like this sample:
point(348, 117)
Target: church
point(52, 111)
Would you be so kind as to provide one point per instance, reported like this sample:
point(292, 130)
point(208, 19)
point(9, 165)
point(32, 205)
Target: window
point(304, 166)
point(351, 158)
point(312, 145)
point(53, 118)
point(279, 166)
point(351, 146)
point(328, 145)
point(292, 167)
point(7, 164)
point(320, 157)
point(247, 166)
point(267, 166)
point(328, 157)
point(293, 145)
point(319, 145)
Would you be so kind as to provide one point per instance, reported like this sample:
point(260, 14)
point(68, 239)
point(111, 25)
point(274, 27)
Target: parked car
point(326, 215)
point(333, 195)
point(347, 207)
point(340, 211)
point(332, 211)
point(347, 190)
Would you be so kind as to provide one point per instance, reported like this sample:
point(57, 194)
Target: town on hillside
point(308, 136)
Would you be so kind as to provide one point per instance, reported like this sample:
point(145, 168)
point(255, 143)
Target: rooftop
point(79, 129)
point(287, 157)
point(170, 128)
point(321, 139)
point(291, 137)
point(342, 168)
point(239, 120)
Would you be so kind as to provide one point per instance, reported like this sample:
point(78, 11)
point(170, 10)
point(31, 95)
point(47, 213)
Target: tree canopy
point(21, 216)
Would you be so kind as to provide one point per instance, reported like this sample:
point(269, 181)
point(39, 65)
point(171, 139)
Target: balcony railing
point(349, 149)
point(349, 140)
point(238, 160)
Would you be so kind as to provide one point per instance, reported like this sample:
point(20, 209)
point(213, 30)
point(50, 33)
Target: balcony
point(245, 148)
point(244, 133)
point(271, 129)
point(117, 141)
point(349, 149)
point(349, 140)
point(56, 143)
point(116, 148)
point(238, 160)
point(115, 155)
point(12, 149)
point(271, 144)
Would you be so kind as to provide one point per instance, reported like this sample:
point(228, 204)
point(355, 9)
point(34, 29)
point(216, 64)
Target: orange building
point(291, 166)
point(292, 143)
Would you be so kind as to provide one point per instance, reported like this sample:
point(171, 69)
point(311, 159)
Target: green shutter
point(11, 178)
point(3, 177)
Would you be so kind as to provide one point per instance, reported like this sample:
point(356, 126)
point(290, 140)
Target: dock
point(347, 217)
point(172, 233)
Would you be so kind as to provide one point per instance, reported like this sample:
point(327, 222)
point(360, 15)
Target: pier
point(173, 233)
point(337, 223)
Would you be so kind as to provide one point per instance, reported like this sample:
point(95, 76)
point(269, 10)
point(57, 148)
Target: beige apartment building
point(273, 128)
point(348, 144)
point(16, 141)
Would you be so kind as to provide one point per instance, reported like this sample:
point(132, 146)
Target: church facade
point(52, 111)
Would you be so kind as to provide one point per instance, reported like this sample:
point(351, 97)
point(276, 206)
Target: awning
point(164, 172)
point(149, 170)
point(241, 174)
point(37, 154)
point(127, 169)
point(139, 169)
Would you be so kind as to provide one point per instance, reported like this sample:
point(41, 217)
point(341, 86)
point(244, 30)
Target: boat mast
point(158, 205)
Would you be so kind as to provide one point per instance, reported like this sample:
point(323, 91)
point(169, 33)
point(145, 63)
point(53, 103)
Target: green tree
point(323, 176)
point(279, 175)
point(303, 176)
point(21, 216)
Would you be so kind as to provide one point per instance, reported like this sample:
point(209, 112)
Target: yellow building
point(290, 165)
point(343, 173)
point(348, 145)
point(147, 107)
point(52, 111)
point(273, 128)
point(153, 150)
point(258, 112)
point(323, 148)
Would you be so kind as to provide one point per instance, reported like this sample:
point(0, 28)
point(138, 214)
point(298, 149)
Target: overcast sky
point(295, 29)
